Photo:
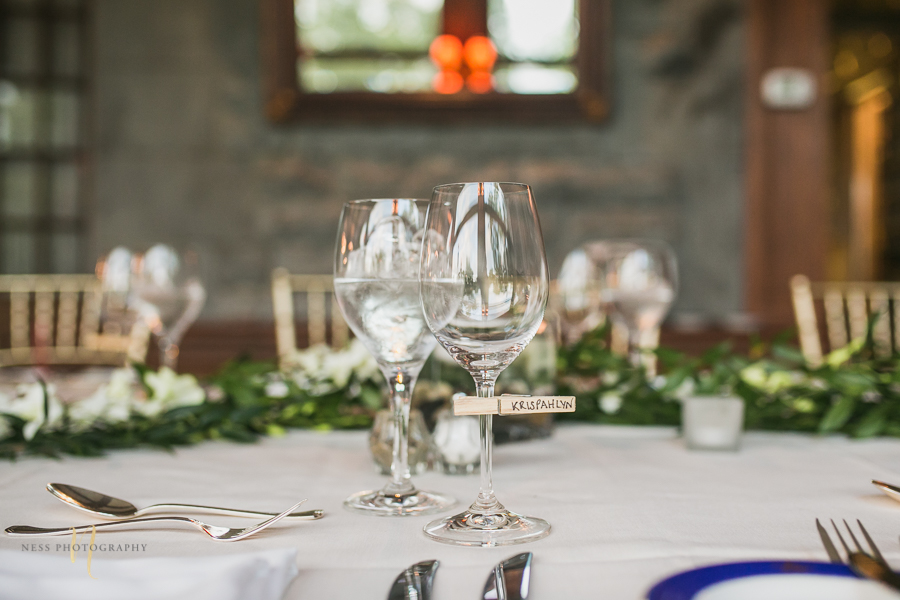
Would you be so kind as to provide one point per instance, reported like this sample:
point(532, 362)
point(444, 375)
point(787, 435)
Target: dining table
point(628, 506)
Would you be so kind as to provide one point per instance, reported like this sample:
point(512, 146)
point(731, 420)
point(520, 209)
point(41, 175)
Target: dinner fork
point(869, 565)
point(221, 534)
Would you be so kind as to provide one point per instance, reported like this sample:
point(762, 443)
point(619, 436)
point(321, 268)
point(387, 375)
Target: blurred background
point(756, 137)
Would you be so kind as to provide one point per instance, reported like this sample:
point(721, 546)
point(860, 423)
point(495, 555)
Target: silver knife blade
point(510, 579)
point(833, 555)
point(415, 582)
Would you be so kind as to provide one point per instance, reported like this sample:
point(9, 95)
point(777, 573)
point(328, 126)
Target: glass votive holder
point(457, 443)
point(712, 422)
point(381, 441)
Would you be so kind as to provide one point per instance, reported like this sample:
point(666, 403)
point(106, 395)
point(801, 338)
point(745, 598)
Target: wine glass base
point(502, 528)
point(419, 502)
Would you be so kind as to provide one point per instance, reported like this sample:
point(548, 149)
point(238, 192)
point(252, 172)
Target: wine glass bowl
point(376, 286)
point(638, 281)
point(484, 288)
point(168, 295)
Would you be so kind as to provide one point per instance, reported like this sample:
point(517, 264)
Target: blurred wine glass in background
point(637, 282)
point(168, 295)
point(578, 299)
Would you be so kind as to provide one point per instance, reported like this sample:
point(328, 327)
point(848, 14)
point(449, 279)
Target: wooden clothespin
point(509, 404)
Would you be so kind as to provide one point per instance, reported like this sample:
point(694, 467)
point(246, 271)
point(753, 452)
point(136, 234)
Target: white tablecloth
point(628, 506)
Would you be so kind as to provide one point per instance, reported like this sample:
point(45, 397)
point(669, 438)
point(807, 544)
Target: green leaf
point(872, 423)
point(838, 415)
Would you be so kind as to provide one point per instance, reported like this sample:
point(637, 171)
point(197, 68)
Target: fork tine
point(853, 537)
point(832, 552)
point(840, 537)
point(875, 552)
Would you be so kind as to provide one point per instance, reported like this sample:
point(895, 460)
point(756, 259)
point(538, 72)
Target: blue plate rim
point(686, 585)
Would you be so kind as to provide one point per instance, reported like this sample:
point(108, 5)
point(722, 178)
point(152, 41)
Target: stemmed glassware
point(578, 304)
point(376, 284)
point(484, 288)
point(168, 295)
point(638, 280)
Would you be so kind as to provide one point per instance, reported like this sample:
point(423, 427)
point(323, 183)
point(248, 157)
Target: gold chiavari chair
point(67, 319)
point(847, 307)
point(322, 315)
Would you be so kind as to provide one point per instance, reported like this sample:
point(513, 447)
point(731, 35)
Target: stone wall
point(185, 156)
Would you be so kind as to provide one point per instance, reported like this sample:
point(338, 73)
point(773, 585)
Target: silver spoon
point(116, 508)
point(221, 534)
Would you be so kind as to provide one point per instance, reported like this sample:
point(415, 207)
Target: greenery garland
point(854, 392)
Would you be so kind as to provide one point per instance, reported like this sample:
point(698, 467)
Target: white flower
point(169, 390)
point(658, 382)
point(5, 427)
point(610, 378)
point(364, 364)
point(277, 389)
point(337, 368)
point(320, 370)
point(685, 389)
point(28, 405)
point(610, 402)
point(110, 403)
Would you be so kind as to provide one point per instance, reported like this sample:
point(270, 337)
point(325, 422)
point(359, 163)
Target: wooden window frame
point(44, 225)
point(285, 102)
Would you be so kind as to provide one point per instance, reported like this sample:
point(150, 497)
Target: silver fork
point(221, 534)
point(870, 565)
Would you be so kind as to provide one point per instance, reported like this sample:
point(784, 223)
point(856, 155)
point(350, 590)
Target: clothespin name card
point(508, 404)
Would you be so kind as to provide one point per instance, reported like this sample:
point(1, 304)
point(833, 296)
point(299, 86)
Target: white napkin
point(260, 576)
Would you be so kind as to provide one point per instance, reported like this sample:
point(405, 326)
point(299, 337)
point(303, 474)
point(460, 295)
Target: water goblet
point(484, 287)
point(376, 284)
point(168, 295)
point(638, 280)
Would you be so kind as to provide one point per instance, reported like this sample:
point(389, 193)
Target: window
point(42, 88)
point(435, 59)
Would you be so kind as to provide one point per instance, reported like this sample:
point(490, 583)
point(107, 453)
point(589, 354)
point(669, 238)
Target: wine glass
point(484, 287)
point(168, 295)
point(376, 285)
point(638, 280)
point(578, 304)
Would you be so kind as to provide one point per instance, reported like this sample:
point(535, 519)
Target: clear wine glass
point(577, 299)
point(168, 295)
point(638, 280)
point(376, 284)
point(484, 287)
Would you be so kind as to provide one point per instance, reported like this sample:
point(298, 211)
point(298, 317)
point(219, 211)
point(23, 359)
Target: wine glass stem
point(635, 353)
point(168, 352)
point(401, 383)
point(486, 501)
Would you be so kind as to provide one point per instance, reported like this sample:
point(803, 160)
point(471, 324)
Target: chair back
point(846, 307)
point(67, 319)
point(317, 309)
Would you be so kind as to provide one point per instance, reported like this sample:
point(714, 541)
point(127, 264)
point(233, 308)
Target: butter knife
point(415, 582)
point(510, 579)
